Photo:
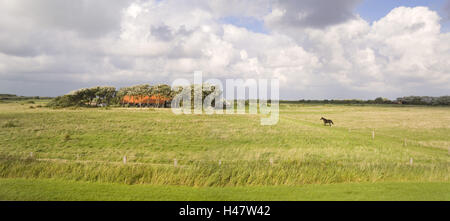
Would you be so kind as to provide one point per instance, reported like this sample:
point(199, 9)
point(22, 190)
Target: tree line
point(136, 95)
point(13, 97)
point(162, 94)
point(408, 100)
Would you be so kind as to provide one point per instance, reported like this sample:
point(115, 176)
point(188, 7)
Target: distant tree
point(105, 94)
point(163, 91)
point(444, 100)
point(381, 100)
point(64, 101)
point(139, 92)
point(424, 100)
point(124, 91)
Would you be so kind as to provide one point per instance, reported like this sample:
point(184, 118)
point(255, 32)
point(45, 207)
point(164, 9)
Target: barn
point(146, 101)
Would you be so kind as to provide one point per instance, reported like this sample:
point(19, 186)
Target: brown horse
point(326, 121)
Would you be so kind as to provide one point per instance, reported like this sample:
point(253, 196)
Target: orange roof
point(145, 99)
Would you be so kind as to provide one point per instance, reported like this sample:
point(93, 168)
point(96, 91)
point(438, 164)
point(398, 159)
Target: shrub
point(9, 124)
point(424, 100)
point(64, 101)
point(67, 137)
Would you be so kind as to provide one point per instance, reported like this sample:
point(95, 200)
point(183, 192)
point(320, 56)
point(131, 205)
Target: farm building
point(146, 101)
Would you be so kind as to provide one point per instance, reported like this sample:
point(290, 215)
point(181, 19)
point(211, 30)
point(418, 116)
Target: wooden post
point(271, 161)
point(373, 134)
point(31, 154)
point(220, 162)
point(411, 161)
point(175, 162)
point(124, 159)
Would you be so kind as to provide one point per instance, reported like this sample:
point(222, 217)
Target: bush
point(64, 101)
point(9, 124)
point(67, 137)
point(424, 100)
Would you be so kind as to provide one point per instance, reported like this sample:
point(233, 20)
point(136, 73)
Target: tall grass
point(9, 124)
point(89, 144)
point(241, 173)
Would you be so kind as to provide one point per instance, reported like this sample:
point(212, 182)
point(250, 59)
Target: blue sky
point(249, 23)
point(370, 10)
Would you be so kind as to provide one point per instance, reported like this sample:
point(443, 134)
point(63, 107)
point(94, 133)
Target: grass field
point(48, 154)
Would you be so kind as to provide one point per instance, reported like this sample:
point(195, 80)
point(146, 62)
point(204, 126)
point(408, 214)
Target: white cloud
point(298, 14)
point(343, 56)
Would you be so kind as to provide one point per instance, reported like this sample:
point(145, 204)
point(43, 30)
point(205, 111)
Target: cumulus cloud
point(317, 50)
point(310, 13)
point(90, 18)
point(447, 9)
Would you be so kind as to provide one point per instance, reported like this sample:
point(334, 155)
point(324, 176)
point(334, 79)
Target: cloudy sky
point(319, 49)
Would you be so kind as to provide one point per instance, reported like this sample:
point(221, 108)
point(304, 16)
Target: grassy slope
point(22, 189)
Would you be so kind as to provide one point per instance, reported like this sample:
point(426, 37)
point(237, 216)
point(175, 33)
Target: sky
point(318, 49)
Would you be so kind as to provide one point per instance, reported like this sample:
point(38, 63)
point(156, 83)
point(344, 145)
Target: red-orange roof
point(145, 99)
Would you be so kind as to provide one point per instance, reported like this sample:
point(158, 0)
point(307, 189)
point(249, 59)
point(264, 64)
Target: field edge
point(62, 190)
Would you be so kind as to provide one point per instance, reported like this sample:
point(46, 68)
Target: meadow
point(392, 149)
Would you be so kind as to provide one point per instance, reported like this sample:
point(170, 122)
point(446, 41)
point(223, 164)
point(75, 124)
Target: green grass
point(22, 189)
point(88, 144)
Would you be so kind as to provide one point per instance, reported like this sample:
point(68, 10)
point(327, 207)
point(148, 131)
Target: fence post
point(220, 162)
point(411, 161)
point(373, 134)
point(31, 154)
point(124, 159)
point(175, 162)
point(271, 161)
